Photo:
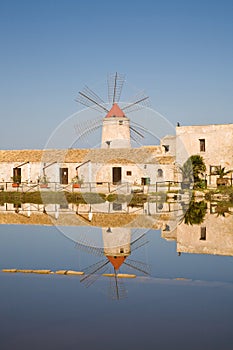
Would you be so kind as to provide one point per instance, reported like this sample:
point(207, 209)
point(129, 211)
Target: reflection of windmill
point(116, 129)
point(117, 248)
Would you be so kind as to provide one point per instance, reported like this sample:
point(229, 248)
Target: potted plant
point(222, 180)
point(76, 181)
point(16, 180)
point(43, 181)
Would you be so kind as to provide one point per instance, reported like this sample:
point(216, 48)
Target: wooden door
point(116, 175)
point(64, 176)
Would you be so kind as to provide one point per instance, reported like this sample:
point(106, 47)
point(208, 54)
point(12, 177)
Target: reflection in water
point(195, 227)
point(116, 246)
point(191, 292)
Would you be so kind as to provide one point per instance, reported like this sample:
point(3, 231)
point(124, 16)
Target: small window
point(166, 148)
point(64, 206)
point(117, 206)
point(128, 173)
point(99, 183)
point(160, 206)
point(121, 250)
point(120, 122)
point(203, 234)
point(202, 145)
point(160, 173)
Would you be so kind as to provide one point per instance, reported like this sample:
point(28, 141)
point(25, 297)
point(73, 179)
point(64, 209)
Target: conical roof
point(115, 111)
point(116, 261)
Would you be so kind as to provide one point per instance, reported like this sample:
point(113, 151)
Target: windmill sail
point(90, 99)
point(93, 272)
point(139, 101)
point(138, 265)
point(115, 85)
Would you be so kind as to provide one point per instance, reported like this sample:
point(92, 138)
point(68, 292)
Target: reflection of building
point(212, 236)
point(117, 245)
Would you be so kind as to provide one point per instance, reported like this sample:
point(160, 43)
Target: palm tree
point(195, 213)
point(192, 169)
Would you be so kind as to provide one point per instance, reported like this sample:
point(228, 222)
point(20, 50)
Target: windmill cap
point(116, 261)
point(115, 111)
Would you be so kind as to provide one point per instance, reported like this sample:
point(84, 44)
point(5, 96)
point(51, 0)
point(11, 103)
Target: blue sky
point(180, 52)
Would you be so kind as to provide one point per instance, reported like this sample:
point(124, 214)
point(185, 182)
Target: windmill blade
point(91, 94)
point(138, 265)
point(89, 99)
point(117, 288)
point(90, 273)
point(146, 131)
point(139, 101)
point(90, 250)
point(85, 128)
point(115, 84)
point(135, 135)
point(137, 142)
point(137, 132)
point(139, 242)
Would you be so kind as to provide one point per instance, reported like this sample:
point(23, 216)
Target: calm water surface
point(185, 303)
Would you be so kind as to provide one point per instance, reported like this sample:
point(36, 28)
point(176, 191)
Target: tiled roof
point(140, 155)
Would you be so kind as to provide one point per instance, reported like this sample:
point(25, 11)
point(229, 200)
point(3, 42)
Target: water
point(185, 301)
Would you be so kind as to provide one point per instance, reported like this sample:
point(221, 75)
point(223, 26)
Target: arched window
point(160, 173)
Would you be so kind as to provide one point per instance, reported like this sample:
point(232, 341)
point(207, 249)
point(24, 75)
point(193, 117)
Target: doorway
point(64, 176)
point(116, 175)
point(17, 175)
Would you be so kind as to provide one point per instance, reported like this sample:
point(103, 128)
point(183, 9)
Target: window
point(116, 206)
point(203, 234)
point(202, 145)
point(128, 173)
point(160, 173)
point(166, 148)
point(64, 206)
point(160, 206)
point(120, 122)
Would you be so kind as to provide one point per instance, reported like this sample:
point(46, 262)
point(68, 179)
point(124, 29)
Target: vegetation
point(222, 173)
point(38, 197)
point(195, 213)
point(43, 179)
point(223, 191)
point(223, 208)
point(193, 171)
point(77, 180)
point(222, 181)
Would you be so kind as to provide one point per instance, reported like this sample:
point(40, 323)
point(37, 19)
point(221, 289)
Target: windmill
point(117, 249)
point(117, 131)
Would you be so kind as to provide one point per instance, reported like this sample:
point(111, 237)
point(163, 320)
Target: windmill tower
point(117, 131)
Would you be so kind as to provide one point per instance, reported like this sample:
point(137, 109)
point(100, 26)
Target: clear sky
point(180, 52)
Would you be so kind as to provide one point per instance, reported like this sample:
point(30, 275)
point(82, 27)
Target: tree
point(195, 213)
point(192, 169)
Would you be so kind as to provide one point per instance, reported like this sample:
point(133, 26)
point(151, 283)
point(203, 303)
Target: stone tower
point(116, 129)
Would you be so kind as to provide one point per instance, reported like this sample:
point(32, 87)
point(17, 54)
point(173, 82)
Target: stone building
point(213, 142)
point(133, 166)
